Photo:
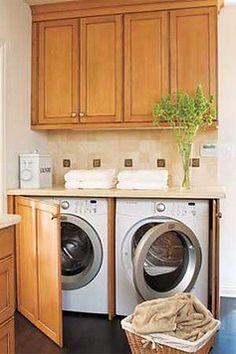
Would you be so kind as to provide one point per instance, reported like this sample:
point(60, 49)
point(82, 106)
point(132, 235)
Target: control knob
point(65, 204)
point(160, 207)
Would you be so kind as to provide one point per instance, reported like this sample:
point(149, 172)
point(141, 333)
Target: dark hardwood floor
point(91, 334)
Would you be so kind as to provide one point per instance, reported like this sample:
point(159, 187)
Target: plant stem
point(185, 149)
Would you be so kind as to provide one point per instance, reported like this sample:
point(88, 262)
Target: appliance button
point(65, 204)
point(160, 207)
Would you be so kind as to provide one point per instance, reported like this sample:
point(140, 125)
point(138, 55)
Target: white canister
point(35, 170)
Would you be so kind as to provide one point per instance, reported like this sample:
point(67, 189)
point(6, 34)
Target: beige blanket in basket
point(182, 316)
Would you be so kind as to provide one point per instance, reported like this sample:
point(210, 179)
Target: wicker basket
point(137, 346)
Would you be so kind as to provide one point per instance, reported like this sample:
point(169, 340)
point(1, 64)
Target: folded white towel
point(90, 175)
point(72, 185)
point(90, 185)
point(143, 175)
point(142, 185)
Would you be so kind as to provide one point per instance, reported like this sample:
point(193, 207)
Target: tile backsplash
point(143, 147)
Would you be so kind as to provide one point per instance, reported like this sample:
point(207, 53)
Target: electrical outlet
point(161, 163)
point(128, 163)
point(97, 163)
point(66, 163)
point(195, 162)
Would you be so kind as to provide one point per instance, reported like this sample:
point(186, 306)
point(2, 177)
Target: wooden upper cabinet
point(58, 72)
point(101, 60)
point(146, 63)
point(193, 42)
point(39, 265)
point(108, 70)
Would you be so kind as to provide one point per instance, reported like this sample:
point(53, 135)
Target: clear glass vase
point(185, 150)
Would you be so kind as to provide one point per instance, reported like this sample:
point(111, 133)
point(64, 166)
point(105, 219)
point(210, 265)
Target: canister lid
point(35, 153)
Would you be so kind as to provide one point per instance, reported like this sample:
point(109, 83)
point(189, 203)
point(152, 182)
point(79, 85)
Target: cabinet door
point(7, 278)
point(193, 50)
point(7, 337)
point(7, 290)
point(146, 63)
point(58, 72)
point(49, 270)
point(101, 69)
point(38, 250)
point(26, 259)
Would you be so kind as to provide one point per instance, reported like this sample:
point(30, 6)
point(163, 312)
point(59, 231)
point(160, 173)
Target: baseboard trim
point(228, 291)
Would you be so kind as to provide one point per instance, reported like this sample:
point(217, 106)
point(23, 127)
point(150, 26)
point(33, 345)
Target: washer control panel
point(83, 206)
point(88, 206)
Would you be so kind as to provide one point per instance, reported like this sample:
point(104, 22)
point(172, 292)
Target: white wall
point(227, 143)
point(15, 32)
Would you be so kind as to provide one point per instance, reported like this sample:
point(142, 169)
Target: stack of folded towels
point(143, 179)
point(90, 179)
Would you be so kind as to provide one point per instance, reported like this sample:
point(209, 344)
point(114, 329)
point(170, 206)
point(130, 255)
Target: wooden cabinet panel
point(26, 260)
point(39, 266)
point(146, 63)
point(58, 72)
point(7, 337)
point(193, 39)
point(7, 277)
point(7, 242)
point(101, 69)
point(7, 288)
point(49, 271)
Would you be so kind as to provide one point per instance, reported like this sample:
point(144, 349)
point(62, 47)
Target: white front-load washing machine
point(161, 249)
point(84, 231)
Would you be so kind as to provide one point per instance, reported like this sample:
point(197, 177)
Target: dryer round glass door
point(81, 252)
point(166, 259)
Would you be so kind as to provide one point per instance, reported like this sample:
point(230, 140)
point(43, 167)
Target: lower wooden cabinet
point(7, 279)
point(7, 337)
point(39, 265)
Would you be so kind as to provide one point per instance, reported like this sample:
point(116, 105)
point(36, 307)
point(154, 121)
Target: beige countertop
point(7, 220)
point(172, 193)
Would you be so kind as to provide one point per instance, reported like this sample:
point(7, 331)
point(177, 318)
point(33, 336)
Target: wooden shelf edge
point(110, 126)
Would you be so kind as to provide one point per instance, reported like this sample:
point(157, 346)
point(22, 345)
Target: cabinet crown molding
point(83, 8)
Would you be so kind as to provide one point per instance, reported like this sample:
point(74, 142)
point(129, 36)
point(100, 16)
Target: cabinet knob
point(73, 114)
point(82, 114)
point(54, 216)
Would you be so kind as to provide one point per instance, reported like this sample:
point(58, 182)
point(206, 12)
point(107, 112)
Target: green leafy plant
point(186, 114)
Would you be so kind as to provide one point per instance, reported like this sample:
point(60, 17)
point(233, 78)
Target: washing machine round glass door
point(166, 259)
point(81, 252)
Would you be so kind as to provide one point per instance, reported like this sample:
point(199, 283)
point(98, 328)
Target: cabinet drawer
point(7, 289)
point(6, 242)
point(7, 337)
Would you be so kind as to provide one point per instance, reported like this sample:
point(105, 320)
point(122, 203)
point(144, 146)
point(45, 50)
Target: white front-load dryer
point(84, 231)
point(161, 249)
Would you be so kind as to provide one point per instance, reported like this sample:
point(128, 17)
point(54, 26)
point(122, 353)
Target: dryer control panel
point(178, 208)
